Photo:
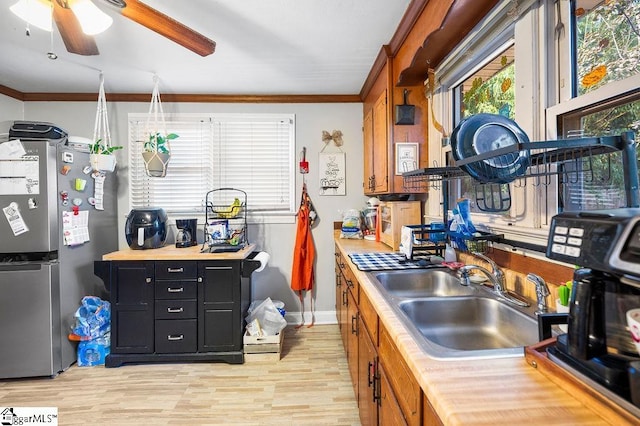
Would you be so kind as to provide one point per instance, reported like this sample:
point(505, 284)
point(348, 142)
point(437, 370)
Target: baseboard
point(321, 317)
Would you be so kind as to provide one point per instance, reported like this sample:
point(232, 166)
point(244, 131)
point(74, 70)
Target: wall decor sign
point(332, 173)
point(406, 157)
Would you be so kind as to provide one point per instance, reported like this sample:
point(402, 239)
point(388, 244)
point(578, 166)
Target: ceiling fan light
point(35, 12)
point(92, 20)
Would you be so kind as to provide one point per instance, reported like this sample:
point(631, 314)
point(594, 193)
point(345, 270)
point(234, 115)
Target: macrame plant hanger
point(155, 163)
point(101, 151)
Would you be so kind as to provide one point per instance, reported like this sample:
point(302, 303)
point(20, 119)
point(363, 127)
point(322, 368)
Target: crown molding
point(178, 97)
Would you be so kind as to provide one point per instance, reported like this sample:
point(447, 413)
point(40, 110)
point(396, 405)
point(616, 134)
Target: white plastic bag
point(269, 318)
point(351, 225)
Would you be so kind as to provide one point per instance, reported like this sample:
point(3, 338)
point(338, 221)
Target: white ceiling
point(264, 47)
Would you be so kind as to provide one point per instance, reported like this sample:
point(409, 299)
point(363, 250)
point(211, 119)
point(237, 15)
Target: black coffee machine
point(186, 236)
point(598, 346)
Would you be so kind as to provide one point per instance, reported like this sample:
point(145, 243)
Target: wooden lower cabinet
point(352, 340)
point(430, 418)
point(368, 391)
point(386, 390)
point(390, 412)
point(402, 381)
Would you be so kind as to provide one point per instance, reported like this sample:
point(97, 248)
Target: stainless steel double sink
point(452, 321)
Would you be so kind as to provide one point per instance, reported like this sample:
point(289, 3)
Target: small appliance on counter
point(146, 228)
point(187, 229)
point(598, 347)
point(371, 218)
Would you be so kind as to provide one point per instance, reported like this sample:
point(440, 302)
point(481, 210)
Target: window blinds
point(251, 152)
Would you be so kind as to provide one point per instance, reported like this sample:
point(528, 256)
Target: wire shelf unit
point(225, 226)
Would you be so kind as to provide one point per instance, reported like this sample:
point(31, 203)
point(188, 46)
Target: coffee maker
point(598, 346)
point(187, 229)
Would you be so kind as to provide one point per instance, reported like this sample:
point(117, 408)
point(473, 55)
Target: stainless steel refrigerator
point(45, 269)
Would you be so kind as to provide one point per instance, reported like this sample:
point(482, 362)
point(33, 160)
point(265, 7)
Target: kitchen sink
point(450, 321)
point(423, 283)
point(471, 324)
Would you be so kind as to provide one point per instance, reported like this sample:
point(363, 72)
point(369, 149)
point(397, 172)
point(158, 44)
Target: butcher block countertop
point(170, 252)
point(479, 392)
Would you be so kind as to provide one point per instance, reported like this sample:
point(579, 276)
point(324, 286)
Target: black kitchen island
point(177, 304)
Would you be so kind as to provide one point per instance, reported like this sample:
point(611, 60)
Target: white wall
point(277, 239)
point(10, 109)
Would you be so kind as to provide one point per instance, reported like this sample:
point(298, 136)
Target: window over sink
point(576, 73)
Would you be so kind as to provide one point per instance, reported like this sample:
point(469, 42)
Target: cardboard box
point(263, 345)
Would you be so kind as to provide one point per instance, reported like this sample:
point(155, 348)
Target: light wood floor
point(309, 385)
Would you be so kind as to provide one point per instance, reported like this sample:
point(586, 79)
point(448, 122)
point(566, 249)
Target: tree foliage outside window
point(607, 43)
point(607, 49)
point(495, 95)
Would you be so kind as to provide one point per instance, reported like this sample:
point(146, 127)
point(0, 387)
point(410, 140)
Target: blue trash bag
point(94, 352)
point(93, 318)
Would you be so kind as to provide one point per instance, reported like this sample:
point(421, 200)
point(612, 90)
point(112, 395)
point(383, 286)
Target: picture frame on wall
point(407, 157)
point(332, 173)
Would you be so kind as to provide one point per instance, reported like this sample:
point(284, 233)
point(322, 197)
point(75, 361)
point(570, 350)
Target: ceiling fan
point(76, 41)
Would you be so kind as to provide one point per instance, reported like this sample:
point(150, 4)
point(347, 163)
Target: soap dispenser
point(450, 254)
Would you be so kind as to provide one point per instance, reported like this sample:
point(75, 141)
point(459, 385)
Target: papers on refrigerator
point(12, 213)
point(75, 228)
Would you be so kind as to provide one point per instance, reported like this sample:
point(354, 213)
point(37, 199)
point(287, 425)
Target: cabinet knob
point(148, 280)
point(199, 279)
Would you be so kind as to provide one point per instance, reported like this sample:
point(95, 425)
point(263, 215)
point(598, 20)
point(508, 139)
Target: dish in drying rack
point(483, 133)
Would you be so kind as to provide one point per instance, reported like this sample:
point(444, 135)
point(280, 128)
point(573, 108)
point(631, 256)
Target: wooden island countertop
point(171, 252)
point(506, 391)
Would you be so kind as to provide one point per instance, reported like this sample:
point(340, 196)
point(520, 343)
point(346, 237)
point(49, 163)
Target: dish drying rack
point(428, 241)
point(572, 160)
point(225, 225)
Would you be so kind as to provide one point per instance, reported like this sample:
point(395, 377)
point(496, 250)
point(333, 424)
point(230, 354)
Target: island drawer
point(176, 270)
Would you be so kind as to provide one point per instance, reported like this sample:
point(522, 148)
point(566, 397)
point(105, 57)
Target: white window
point(499, 68)
point(250, 152)
point(576, 71)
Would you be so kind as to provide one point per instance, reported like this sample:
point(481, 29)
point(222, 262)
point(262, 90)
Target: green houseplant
point(101, 156)
point(157, 153)
point(159, 143)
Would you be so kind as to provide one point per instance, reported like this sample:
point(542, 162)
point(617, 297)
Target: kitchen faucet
point(496, 276)
point(542, 291)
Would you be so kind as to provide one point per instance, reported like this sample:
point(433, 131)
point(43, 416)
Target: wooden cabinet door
point(132, 307)
point(390, 413)
point(430, 417)
point(352, 344)
point(367, 371)
point(381, 145)
point(404, 385)
point(220, 324)
point(367, 136)
point(345, 329)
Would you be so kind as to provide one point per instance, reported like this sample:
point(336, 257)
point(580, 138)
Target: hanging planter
point(101, 155)
point(157, 149)
point(103, 162)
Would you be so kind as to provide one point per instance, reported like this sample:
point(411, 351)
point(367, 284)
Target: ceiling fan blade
point(74, 39)
point(168, 27)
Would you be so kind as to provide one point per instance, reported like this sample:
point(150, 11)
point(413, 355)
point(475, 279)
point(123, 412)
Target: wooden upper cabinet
point(367, 137)
point(428, 31)
point(380, 146)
